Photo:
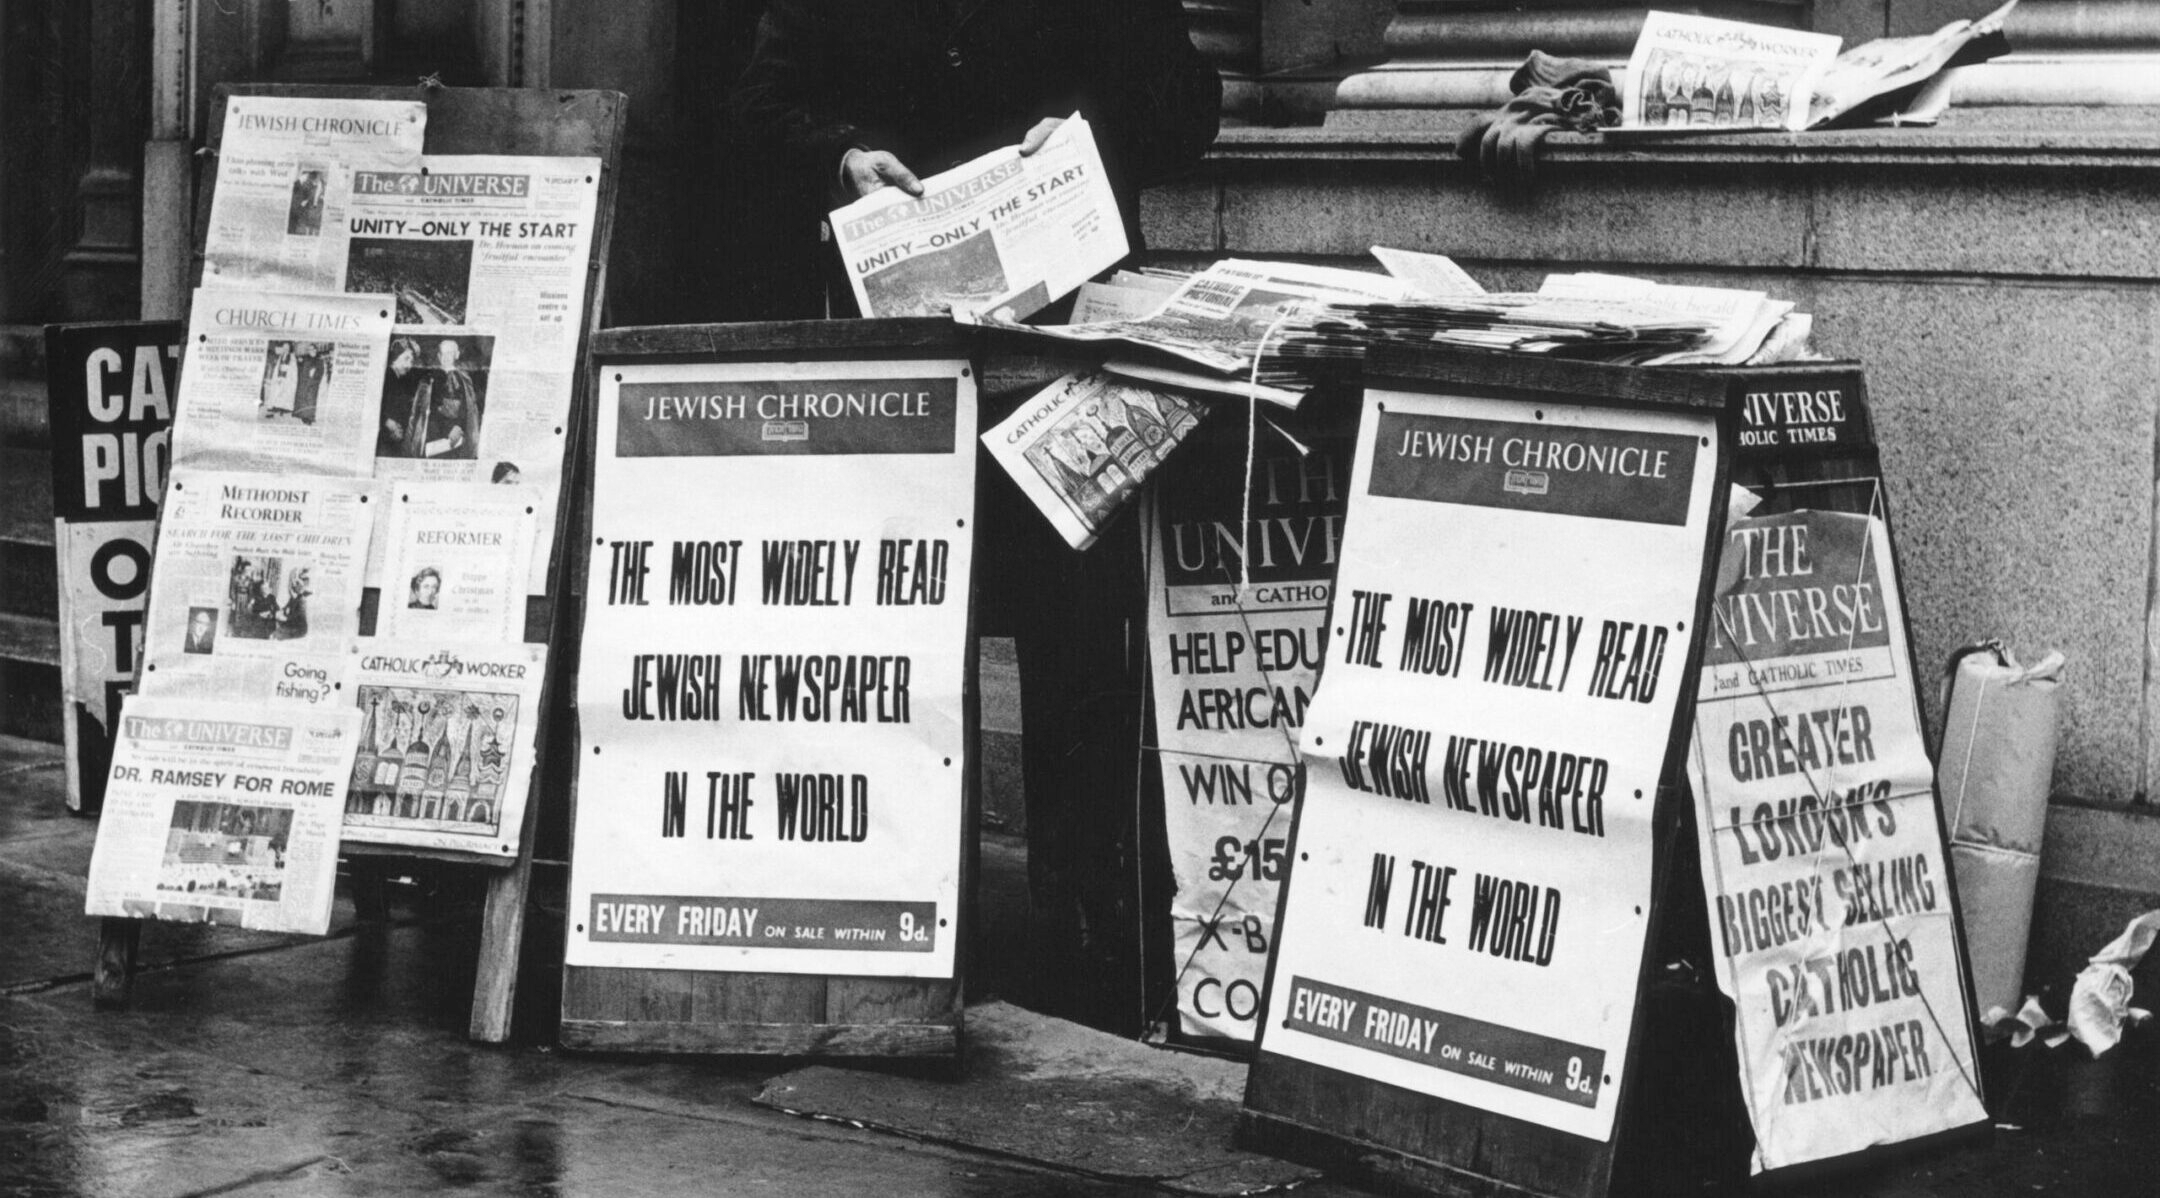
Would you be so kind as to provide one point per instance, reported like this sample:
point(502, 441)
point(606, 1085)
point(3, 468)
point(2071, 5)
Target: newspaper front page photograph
point(998, 232)
point(285, 173)
point(283, 382)
point(256, 585)
point(485, 258)
point(446, 743)
point(223, 813)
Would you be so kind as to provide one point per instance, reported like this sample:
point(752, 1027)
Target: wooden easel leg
point(114, 978)
point(370, 888)
point(502, 933)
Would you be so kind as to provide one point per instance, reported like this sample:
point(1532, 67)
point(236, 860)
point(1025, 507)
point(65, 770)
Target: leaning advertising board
point(771, 694)
point(1829, 893)
point(1236, 629)
point(1470, 889)
point(112, 389)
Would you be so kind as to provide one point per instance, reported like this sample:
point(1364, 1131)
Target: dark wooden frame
point(1405, 1140)
point(787, 1014)
point(522, 122)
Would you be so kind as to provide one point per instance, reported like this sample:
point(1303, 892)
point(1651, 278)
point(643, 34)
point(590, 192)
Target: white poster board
point(1236, 631)
point(1831, 918)
point(775, 649)
point(1468, 901)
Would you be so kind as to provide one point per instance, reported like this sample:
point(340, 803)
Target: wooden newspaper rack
point(506, 121)
point(711, 1010)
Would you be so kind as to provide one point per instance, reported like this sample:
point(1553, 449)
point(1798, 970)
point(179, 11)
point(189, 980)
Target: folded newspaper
point(1218, 318)
point(1000, 232)
point(1080, 448)
point(1693, 73)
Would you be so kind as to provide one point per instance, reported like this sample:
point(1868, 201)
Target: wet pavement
point(267, 1065)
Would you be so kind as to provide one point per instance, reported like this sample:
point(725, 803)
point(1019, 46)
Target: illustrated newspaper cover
point(1080, 448)
point(1700, 72)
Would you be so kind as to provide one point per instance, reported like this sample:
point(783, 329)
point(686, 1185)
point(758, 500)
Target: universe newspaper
point(998, 232)
point(223, 813)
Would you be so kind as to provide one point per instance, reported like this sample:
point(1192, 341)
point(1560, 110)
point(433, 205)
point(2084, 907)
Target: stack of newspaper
point(1607, 318)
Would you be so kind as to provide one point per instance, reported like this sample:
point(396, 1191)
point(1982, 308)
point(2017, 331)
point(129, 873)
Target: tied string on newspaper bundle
point(1881, 918)
point(1243, 585)
point(1572, 95)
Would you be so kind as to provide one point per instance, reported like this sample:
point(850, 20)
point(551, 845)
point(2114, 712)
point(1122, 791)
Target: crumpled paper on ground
point(2100, 998)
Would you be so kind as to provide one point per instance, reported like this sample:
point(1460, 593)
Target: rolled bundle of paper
point(1998, 756)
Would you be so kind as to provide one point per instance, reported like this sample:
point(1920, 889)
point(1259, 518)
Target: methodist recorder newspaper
point(1001, 231)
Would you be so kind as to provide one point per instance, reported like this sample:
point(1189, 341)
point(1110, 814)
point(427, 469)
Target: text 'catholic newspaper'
point(1001, 231)
point(223, 813)
point(285, 172)
point(257, 586)
point(1082, 445)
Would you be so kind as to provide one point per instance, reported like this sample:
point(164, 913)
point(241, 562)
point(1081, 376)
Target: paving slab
point(1047, 1090)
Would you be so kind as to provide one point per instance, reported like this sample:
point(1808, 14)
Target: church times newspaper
point(999, 231)
point(223, 813)
point(1830, 904)
point(282, 382)
point(1467, 912)
point(257, 586)
point(770, 695)
point(1233, 668)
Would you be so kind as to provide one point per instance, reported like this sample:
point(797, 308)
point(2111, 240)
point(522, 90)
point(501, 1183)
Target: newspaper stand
point(1406, 1139)
point(669, 1010)
point(509, 121)
point(1810, 455)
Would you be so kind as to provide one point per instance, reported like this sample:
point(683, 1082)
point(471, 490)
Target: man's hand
point(864, 171)
point(1039, 134)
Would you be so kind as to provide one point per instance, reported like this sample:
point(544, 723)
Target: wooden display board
point(1421, 1044)
point(503, 121)
point(707, 1006)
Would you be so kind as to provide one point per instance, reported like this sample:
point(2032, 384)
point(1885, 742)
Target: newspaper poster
point(998, 232)
point(455, 559)
point(1828, 885)
point(1218, 318)
point(446, 743)
point(256, 587)
point(770, 698)
point(1508, 641)
point(285, 171)
point(1233, 671)
point(223, 813)
point(486, 257)
point(1704, 73)
point(283, 383)
point(111, 390)
point(1081, 447)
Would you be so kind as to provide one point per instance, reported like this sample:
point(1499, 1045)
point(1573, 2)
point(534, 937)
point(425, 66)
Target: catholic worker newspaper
point(223, 813)
point(999, 232)
point(1081, 447)
point(285, 171)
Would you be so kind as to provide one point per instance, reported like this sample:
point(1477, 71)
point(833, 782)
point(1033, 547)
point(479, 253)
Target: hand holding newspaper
point(1002, 231)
